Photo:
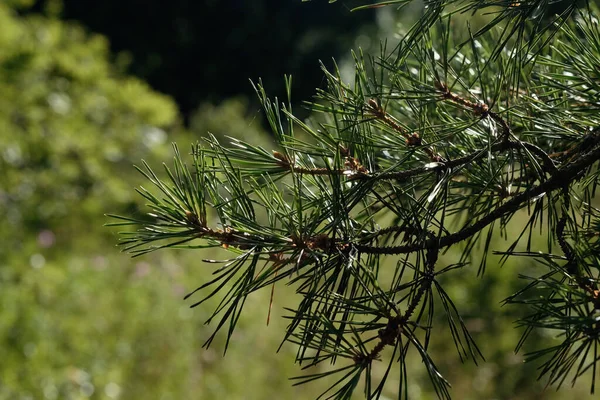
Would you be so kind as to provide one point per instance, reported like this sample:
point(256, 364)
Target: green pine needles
point(444, 139)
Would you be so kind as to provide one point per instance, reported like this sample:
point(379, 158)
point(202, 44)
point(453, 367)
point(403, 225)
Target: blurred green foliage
point(79, 320)
point(67, 114)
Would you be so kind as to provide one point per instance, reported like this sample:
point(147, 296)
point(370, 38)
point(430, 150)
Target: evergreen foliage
point(431, 147)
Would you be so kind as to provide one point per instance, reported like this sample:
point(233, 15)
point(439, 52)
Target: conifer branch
point(528, 145)
point(565, 175)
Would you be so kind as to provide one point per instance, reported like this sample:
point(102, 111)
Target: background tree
point(434, 146)
point(77, 320)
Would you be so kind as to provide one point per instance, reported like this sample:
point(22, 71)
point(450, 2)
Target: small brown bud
point(481, 108)
point(192, 217)
point(344, 151)
point(283, 160)
point(279, 156)
point(441, 87)
point(413, 140)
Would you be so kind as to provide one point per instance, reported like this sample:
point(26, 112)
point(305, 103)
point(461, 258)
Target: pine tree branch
point(374, 108)
point(309, 212)
point(562, 176)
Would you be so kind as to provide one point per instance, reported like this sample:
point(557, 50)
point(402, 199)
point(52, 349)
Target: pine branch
point(558, 180)
point(501, 124)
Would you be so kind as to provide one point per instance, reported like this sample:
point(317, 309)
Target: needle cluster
point(435, 143)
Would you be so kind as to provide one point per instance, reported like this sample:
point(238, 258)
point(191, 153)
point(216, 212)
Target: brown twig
point(395, 326)
point(413, 139)
point(227, 236)
point(352, 167)
point(480, 109)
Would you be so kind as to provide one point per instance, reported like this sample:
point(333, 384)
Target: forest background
point(87, 89)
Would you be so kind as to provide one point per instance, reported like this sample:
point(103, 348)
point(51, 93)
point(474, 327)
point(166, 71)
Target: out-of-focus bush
point(78, 319)
point(70, 125)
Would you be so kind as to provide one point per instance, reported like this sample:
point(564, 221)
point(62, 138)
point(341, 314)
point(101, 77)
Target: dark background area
point(207, 50)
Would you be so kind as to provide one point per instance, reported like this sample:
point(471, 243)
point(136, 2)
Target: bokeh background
point(87, 89)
